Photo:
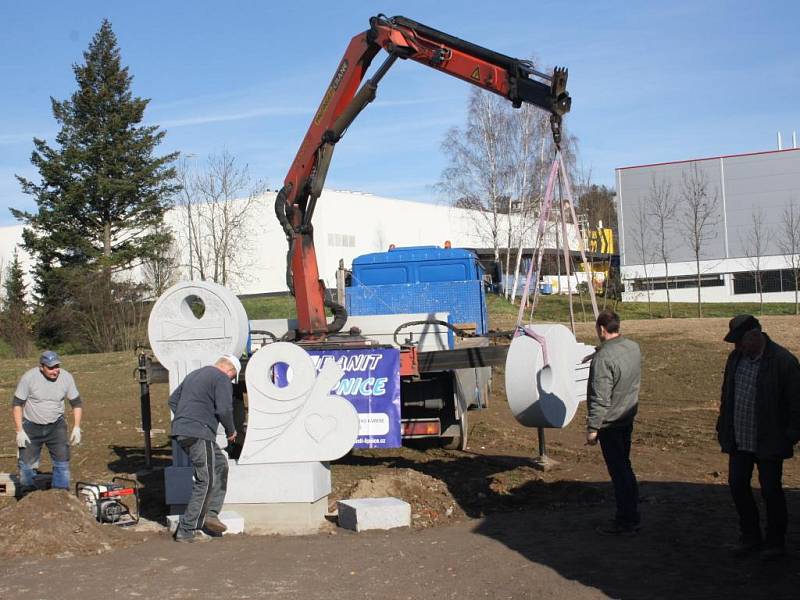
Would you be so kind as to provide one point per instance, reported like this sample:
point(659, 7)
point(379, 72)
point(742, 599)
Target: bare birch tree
point(755, 245)
point(662, 208)
point(522, 136)
point(788, 241)
point(477, 177)
point(698, 218)
point(216, 212)
point(642, 242)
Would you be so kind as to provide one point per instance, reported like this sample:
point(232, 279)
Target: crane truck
point(430, 379)
point(437, 377)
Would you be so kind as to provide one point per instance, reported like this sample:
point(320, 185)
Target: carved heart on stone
point(319, 427)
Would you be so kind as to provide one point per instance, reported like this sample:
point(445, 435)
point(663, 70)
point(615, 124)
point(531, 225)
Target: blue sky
point(650, 81)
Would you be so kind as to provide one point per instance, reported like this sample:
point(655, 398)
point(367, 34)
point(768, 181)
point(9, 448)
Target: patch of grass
point(556, 308)
point(270, 307)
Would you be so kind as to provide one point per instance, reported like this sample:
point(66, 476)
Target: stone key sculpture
point(299, 422)
point(182, 341)
point(546, 375)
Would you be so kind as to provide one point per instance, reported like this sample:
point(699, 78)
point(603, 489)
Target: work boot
point(190, 537)
point(214, 525)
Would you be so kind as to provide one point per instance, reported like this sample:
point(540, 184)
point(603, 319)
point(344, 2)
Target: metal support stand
point(543, 462)
point(144, 397)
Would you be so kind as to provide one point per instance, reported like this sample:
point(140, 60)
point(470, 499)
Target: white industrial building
point(346, 225)
point(741, 187)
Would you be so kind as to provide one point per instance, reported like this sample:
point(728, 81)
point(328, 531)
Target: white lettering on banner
point(356, 362)
point(371, 441)
point(361, 386)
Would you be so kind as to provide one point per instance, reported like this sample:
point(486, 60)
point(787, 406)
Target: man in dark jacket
point(202, 402)
point(759, 423)
point(612, 402)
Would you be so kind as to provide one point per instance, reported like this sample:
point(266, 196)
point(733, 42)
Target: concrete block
point(283, 518)
point(233, 520)
point(256, 484)
point(9, 484)
point(374, 513)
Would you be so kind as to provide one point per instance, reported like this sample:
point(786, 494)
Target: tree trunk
point(666, 286)
point(699, 300)
point(796, 296)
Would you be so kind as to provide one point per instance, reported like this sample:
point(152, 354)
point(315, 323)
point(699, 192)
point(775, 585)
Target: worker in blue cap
point(38, 411)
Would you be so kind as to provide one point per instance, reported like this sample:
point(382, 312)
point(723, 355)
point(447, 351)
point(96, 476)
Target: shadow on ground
point(684, 549)
point(131, 459)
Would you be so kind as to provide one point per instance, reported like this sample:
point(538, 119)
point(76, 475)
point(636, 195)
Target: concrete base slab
point(302, 482)
point(282, 518)
point(233, 520)
point(374, 513)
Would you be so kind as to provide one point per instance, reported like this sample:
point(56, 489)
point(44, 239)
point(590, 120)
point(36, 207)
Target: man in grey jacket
point(202, 402)
point(612, 402)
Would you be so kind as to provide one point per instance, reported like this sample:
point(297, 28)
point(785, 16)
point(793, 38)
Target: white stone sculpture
point(299, 422)
point(183, 342)
point(546, 376)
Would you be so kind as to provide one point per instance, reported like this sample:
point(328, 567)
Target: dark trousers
point(615, 442)
point(770, 473)
point(210, 482)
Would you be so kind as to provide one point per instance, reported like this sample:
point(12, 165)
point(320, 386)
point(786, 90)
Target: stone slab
point(258, 484)
point(233, 520)
point(374, 513)
point(283, 518)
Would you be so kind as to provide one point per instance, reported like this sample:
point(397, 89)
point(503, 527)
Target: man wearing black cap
point(38, 411)
point(759, 423)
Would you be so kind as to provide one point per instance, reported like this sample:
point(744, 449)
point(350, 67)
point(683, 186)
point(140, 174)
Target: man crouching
point(202, 402)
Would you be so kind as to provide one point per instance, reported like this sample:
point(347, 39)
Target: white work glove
point(22, 439)
point(75, 438)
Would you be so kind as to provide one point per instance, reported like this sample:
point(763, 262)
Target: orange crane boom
point(402, 38)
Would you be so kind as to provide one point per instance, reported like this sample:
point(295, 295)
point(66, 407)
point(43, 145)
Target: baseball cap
point(235, 362)
point(49, 359)
point(739, 325)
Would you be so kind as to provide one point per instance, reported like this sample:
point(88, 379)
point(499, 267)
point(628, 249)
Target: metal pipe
point(144, 398)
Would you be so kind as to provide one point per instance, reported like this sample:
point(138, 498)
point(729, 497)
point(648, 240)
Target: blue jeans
point(54, 436)
point(615, 442)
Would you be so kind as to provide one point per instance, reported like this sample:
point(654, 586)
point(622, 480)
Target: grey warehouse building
point(744, 245)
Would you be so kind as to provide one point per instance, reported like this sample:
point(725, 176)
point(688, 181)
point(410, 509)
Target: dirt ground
point(485, 523)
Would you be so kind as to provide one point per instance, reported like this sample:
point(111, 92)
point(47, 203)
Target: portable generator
point(116, 502)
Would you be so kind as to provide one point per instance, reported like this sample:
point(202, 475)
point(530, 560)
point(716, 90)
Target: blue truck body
point(420, 279)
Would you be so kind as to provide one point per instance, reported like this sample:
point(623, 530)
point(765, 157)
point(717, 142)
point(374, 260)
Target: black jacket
point(777, 403)
point(202, 401)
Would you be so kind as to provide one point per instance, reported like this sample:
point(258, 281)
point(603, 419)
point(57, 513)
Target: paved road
point(534, 554)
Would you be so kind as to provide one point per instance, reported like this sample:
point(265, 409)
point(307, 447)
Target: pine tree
point(103, 193)
point(15, 316)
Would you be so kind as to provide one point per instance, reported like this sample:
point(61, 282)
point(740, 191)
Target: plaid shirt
point(744, 406)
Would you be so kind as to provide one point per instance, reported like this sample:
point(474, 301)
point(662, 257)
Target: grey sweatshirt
point(202, 401)
point(614, 379)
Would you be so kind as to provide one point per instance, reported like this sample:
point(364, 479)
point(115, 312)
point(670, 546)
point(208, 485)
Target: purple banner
point(371, 382)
